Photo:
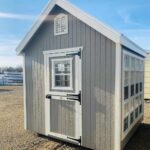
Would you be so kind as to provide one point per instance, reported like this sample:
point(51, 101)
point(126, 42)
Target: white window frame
point(60, 16)
point(53, 74)
point(130, 69)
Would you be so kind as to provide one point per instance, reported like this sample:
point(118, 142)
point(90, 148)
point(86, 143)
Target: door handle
point(48, 96)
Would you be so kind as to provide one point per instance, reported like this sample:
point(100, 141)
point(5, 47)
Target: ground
point(14, 137)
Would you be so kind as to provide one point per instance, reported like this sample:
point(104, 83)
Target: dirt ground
point(14, 137)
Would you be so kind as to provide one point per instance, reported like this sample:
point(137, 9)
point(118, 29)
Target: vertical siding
point(98, 75)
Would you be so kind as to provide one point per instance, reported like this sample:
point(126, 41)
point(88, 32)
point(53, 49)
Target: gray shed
point(83, 81)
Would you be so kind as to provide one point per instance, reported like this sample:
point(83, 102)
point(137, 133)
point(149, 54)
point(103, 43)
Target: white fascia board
point(131, 45)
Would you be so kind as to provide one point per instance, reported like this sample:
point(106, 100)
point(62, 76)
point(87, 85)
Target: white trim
point(62, 51)
point(47, 106)
point(128, 101)
point(63, 137)
point(117, 113)
point(87, 19)
point(53, 74)
point(24, 88)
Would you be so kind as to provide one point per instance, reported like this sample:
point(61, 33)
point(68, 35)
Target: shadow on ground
point(141, 139)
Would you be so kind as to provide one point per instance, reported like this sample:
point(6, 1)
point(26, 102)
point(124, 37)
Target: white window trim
point(59, 16)
point(71, 75)
point(125, 133)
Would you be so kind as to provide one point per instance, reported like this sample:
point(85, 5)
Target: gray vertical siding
point(98, 80)
point(63, 117)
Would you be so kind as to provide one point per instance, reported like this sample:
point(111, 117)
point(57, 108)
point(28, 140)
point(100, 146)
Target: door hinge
point(73, 54)
point(75, 97)
point(78, 140)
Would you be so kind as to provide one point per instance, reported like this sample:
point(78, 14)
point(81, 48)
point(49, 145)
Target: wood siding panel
point(98, 81)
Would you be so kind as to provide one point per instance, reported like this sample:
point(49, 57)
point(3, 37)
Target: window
point(131, 117)
point(132, 90)
point(137, 88)
point(141, 87)
point(126, 78)
point(61, 24)
point(126, 92)
point(136, 112)
point(62, 74)
point(126, 61)
point(133, 63)
point(125, 123)
point(140, 109)
point(132, 77)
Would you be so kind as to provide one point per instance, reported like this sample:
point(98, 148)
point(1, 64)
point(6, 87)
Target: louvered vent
point(61, 24)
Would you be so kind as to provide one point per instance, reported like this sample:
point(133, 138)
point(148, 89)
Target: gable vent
point(61, 24)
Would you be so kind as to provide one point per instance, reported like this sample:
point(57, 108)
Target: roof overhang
point(84, 17)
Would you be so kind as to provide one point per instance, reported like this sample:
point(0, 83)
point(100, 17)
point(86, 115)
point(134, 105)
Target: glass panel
point(62, 67)
point(126, 77)
point(137, 88)
point(127, 61)
point(136, 113)
point(132, 90)
point(133, 63)
point(131, 118)
point(125, 123)
point(62, 80)
point(126, 92)
point(141, 87)
point(140, 109)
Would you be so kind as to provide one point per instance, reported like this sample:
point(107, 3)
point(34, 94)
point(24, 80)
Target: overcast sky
point(131, 17)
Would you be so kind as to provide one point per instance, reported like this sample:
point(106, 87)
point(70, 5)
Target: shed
point(83, 81)
point(147, 77)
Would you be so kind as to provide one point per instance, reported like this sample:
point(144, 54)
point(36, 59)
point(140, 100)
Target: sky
point(130, 17)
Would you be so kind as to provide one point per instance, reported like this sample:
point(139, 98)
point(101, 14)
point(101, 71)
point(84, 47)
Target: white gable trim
point(87, 19)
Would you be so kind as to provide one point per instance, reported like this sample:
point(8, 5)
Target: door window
point(62, 74)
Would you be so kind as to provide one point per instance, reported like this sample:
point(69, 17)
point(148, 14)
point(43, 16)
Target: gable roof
point(84, 17)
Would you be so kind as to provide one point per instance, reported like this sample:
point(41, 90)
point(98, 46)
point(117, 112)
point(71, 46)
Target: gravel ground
point(14, 137)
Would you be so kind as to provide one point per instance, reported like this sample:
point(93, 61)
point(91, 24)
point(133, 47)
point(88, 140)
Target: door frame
point(58, 53)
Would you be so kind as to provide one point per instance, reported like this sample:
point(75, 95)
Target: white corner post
point(117, 102)
point(24, 93)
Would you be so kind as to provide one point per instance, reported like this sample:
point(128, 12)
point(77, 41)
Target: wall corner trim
point(117, 110)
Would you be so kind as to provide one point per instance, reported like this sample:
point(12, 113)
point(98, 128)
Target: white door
point(63, 93)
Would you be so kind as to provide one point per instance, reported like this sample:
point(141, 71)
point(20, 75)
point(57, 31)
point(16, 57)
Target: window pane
point(132, 90)
point(127, 61)
point(62, 67)
point(125, 123)
point(137, 88)
point(126, 78)
point(140, 109)
point(131, 118)
point(126, 92)
point(62, 80)
point(136, 113)
point(141, 86)
point(133, 63)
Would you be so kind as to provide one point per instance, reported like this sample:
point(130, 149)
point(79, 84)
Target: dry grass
point(14, 137)
point(12, 133)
